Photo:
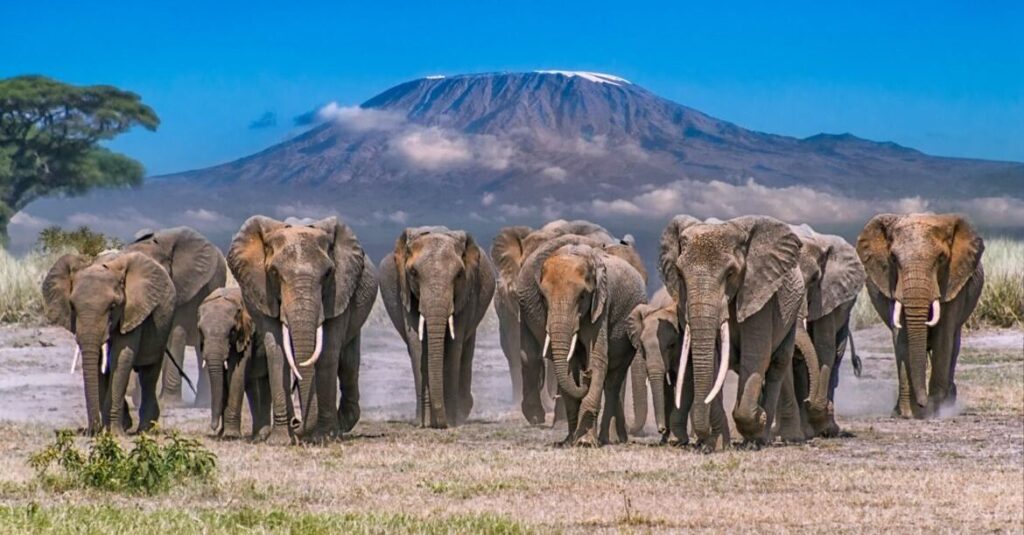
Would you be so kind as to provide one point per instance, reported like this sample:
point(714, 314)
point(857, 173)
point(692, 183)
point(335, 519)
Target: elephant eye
point(413, 271)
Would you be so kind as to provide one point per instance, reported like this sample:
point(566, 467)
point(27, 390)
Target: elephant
point(654, 332)
point(577, 296)
point(233, 355)
point(924, 278)
point(309, 287)
point(509, 249)
point(738, 290)
point(197, 268)
point(833, 277)
point(436, 287)
point(120, 308)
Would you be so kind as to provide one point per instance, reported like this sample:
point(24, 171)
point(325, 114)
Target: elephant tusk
point(419, 330)
point(936, 314)
point(105, 357)
point(317, 348)
point(684, 359)
point(897, 309)
point(547, 344)
point(286, 341)
point(75, 357)
point(451, 326)
point(572, 347)
point(723, 366)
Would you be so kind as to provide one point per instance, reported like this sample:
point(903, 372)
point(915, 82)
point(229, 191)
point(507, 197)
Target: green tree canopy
point(49, 136)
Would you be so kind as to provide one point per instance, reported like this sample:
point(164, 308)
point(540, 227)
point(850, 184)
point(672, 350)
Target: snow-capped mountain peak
point(596, 77)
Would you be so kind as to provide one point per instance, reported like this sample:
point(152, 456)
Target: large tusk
point(419, 330)
point(897, 309)
point(104, 357)
point(75, 357)
point(317, 348)
point(572, 347)
point(286, 341)
point(684, 359)
point(547, 344)
point(936, 314)
point(723, 366)
point(451, 326)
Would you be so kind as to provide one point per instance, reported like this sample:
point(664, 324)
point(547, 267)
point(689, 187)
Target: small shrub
point(149, 468)
point(55, 240)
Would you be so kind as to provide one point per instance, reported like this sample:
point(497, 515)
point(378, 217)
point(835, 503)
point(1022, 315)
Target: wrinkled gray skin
point(125, 300)
point(197, 268)
point(533, 386)
point(438, 274)
point(742, 272)
point(833, 277)
point(654, 332)
point(233, 356)
point(917, 260)
point(572, 286)
point(306, 274)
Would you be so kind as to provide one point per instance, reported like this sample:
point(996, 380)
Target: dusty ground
point(961, 473)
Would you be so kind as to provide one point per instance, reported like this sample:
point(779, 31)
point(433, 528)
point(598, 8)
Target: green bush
point(55, 240)
point(149, 468)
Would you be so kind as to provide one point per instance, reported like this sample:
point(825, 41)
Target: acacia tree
point(49, 140)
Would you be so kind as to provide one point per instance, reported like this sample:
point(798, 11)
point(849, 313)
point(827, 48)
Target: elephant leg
point(780, 366)
point(170, 394)
point(348, 376)
point(533, 379)
point(415, 348)
point(590, 406)
point(149, 412)
point(120, 370)
point(790, 427)
point(466, 379)
point(755, 357)
point(280, 381)
point(943, 340)
point(508, 333)
point(572, 411)
point(452, 378)
point(613, 407)
point(719, 423)
point(133, 390)
point(678, 415)
point(954, 356)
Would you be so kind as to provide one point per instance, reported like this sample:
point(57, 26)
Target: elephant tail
point(854, 357)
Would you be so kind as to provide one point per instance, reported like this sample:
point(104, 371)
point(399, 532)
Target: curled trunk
point(818, 390)
point(561, 332)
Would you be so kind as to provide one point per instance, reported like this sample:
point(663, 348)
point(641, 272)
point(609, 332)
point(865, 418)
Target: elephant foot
point(348, 417)
point(676, 442)
point(587, 441)
point(534, 415)
point(275, 435)
point(231, 434)
point(705, 446)
point(752, 444)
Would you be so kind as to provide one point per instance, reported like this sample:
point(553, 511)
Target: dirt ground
point(964, 472)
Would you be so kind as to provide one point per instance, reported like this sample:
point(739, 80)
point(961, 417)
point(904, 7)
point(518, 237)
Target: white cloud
point(398, 216)
point(360, 119)
point(26, 220)
point(994, 211)
point(515, 210)
point(436, 148)
point(204, 215)
point(555, 173)
point(488, 199)
point(303, 210)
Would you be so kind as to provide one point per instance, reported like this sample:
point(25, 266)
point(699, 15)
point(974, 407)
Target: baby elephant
point(234, 357)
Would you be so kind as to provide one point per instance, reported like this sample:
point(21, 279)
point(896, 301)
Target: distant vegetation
point(49, 140)
point(55, 241)
point(149, 468)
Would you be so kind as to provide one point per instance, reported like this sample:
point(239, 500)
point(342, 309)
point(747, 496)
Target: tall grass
point(21, 299)
point(1002, 299)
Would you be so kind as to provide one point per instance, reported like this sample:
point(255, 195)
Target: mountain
point(484, 150)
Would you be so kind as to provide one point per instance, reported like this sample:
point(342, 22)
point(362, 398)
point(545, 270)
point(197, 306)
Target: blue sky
point(946, 78)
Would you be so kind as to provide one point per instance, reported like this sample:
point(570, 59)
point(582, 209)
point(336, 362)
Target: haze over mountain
point(485, 150)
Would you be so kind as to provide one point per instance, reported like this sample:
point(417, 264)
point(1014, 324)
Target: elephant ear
point(842, 278)
point(635, 325)
point(773, 251)
point(401, 254)
point(57, 290)
point(148, 289)
point(669, 253)
point(508, 254)
point(348, 258)
point(599, 299)
point(873, 249)
point(194, 261)
point(249, 258)
point(471, 254)
point(965, 252)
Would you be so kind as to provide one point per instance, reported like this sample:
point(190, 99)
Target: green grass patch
point(149, 468)
point(33, 518)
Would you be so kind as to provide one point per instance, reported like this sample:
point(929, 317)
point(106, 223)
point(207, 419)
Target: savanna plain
point(962, 472)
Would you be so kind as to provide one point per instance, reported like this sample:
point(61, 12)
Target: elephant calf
point(234, 358)
point(119, 307)
point(437, 285)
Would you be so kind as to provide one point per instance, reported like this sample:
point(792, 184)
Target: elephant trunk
point(215, 367)
point(437, 326)
point(655, 366)
point(91, 355)
point(563, 335)
point(638, 376)
point(303, 333)
point(817, 377)
point(917, 302)
point(704, 333)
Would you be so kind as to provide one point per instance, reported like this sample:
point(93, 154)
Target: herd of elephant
point(770, 301)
